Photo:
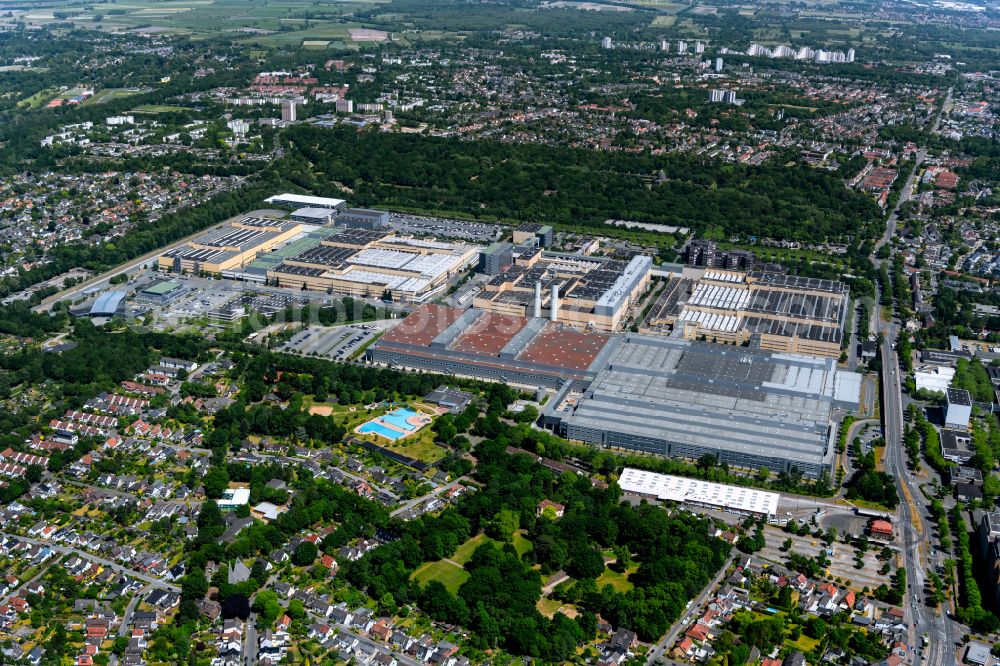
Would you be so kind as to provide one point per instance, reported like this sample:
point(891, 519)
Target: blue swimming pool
point(398, 418)
point(380, 429)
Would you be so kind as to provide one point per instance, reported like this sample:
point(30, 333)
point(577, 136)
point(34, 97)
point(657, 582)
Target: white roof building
point(234, 497)
point(700, 493)
point(934, 378)
point(289, 199)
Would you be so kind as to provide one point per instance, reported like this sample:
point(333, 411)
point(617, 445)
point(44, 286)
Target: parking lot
point(481, 232)
point(841, 561)
point(337, 343)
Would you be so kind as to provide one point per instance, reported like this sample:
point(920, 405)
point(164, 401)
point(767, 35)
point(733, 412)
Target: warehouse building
point(539, 235)
point(768, 310)
point(107, 304)
point(363, 218)
point(958, 408)
point(685, 399)
point(229, 247)
point(369, 263)
point(595, 293)
point(306, 201)
point(161, 292)
point(698, 493)
point(475, 343)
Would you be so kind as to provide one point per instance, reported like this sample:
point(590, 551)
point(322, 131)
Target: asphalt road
point(152, 580)
point(661, 649)
point(409, 504)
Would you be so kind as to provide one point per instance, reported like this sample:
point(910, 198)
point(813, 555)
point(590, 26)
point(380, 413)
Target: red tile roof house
point(698, 632)
point(557, 508)
point(685, 647)
point(881, 529)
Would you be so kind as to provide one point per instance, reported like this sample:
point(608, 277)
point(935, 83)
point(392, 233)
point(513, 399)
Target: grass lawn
point(109, 94)
point(619, 581)
point(548, 607)
point(451, 574)
point(159, 108)
point(864, 504)
point(804, 643)
point(521, 543)
point(464, 552)
point(39, 99)
point(446, 573)
point(420, 446)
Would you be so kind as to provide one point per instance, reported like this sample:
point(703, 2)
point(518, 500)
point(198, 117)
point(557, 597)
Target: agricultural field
point(198, 17)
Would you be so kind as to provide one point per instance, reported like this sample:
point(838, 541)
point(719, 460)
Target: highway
point(914, 535)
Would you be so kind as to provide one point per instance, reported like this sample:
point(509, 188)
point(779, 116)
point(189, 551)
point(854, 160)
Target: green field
point(449, 572)
point(39, 99)
point(159, 108)
point(199, 17)
point(110, 94)
point(450, 575)
point(618, 580)
point(464, 552)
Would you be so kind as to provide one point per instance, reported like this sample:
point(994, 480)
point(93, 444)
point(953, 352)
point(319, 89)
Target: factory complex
point(534, 352)
point(588, 292)
point(769, 310)
point(684, 399)
point(722, 356)
point(347, 259)
point(230, 246)
point(663, 395)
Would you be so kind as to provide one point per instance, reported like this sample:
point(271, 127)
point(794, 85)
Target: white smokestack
point(538, 300)
point(554, 305)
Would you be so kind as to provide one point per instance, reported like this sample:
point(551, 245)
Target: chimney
point(554, 305)
point(538, 300)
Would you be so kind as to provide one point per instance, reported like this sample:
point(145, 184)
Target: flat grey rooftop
point(716, 396)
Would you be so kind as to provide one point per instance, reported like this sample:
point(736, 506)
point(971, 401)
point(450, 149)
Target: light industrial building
point(161, 292)
point(229, 247)
point(667, 396)
point(588, 292)
point(363, 218)
point(958, 410)
point(684, 399)
point(769, 310)
point(533, 352)
point(539, 235)
point(695, 492)
point(107, 304)
point(371, 263)
point(305, 200)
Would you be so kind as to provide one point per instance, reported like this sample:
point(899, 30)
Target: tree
point(305, 553)
point(706, 463)
point(216, 482)
point(236, 605)
point(504, 524)
point(266, 605)
point(584, 561)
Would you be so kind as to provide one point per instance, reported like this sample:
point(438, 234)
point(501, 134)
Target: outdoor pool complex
point(396, 424)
